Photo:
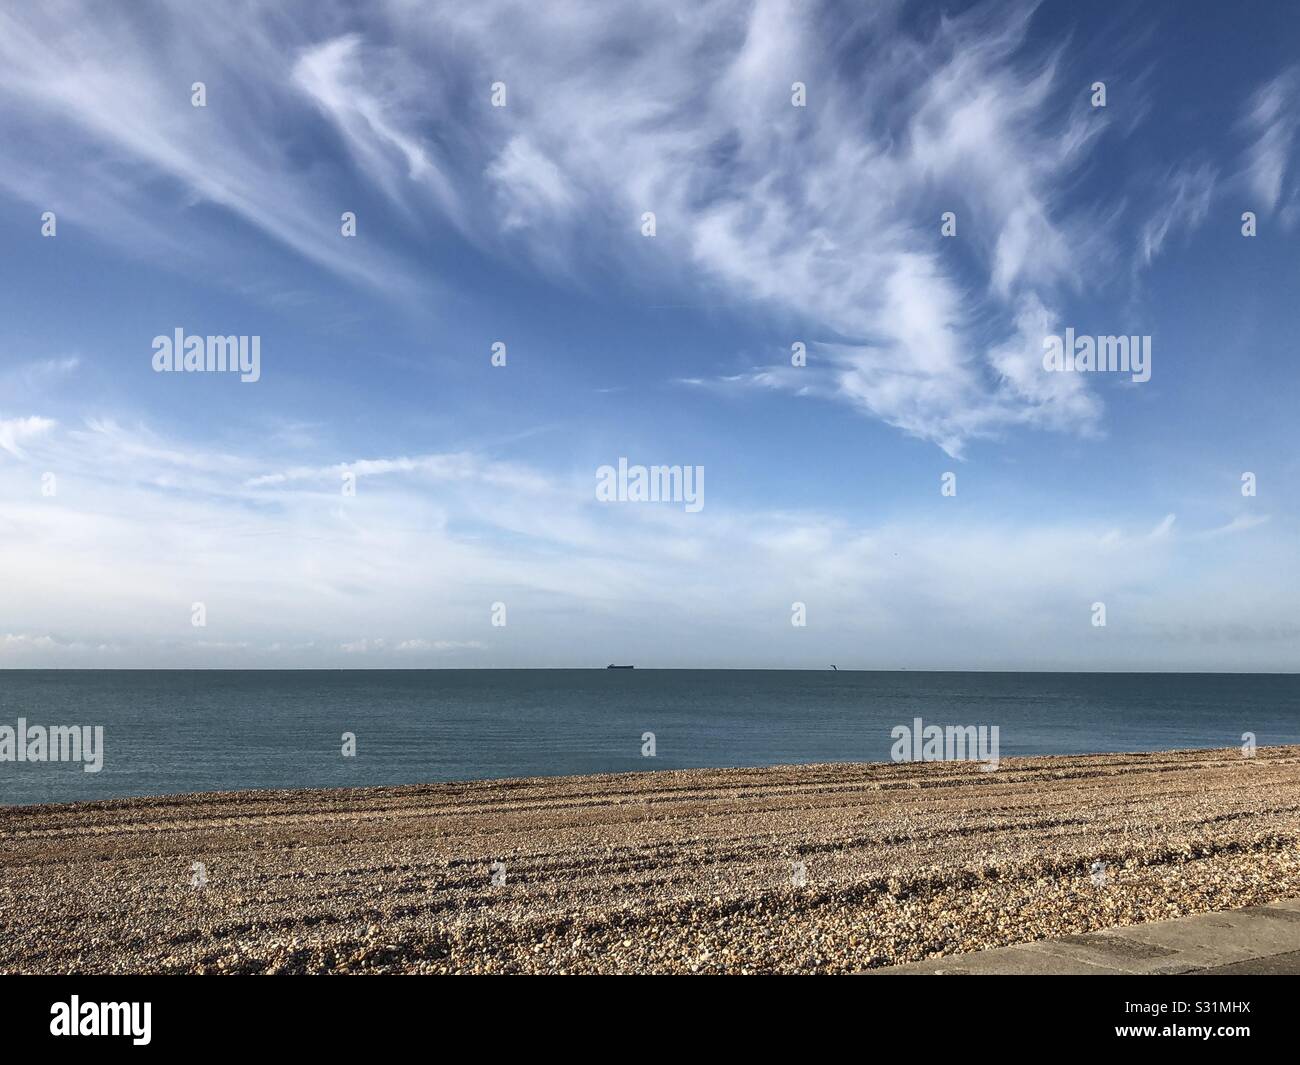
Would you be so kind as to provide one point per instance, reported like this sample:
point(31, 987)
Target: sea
point(175, 731)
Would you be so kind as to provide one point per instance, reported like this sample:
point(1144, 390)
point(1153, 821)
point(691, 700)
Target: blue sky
point(774, 224)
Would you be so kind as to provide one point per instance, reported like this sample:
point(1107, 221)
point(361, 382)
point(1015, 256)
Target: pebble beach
point(831, 868)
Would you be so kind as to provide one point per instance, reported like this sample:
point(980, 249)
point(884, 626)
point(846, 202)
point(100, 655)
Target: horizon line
point(644, 669)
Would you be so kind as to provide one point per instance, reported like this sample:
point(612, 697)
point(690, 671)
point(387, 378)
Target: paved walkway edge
point(1255, 940)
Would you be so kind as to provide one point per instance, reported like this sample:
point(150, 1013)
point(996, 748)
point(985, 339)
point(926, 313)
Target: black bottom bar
point(381, 1013)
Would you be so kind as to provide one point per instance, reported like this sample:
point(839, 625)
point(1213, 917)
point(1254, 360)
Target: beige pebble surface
point(689, 871)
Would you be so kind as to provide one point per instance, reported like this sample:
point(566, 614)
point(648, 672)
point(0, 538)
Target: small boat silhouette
point(612, 666)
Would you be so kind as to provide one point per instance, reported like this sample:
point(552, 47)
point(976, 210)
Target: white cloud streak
point(1272, 118)
point(823, 218)
point(822, 214)
point(293, 573)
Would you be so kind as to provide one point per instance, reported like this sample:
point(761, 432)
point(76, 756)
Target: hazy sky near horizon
point(775, 224)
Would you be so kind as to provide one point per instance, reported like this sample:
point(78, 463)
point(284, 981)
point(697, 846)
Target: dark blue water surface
point(183, 731)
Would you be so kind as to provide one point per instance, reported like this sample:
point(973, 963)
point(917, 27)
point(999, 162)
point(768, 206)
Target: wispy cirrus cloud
point(823, 213)
point(460, 466)
point(1189, 192)
point(14, 431)
point(821, 218)
point(99, 99)
point(1272, 118)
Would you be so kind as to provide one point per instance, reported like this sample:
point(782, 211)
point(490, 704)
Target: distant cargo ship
point(612, 666)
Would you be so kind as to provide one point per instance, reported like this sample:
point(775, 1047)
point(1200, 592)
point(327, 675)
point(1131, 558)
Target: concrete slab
point(1120, 953)
point(1255, 939)
point(1277, 965)
point(1287, 913)
point(1218, 938)
point(1002, 961)
point(1285, 904)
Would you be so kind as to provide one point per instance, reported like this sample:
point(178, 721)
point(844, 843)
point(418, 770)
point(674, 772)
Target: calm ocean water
point(183, 731)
